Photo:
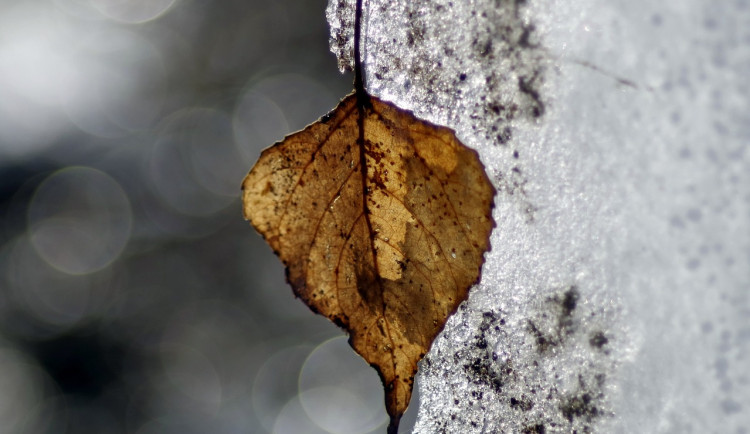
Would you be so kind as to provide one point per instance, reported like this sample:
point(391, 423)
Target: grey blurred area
point(134, 298)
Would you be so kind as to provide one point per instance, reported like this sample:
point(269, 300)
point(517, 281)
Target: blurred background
point(134, 298)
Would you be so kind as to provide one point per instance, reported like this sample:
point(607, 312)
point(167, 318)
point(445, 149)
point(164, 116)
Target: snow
point(616, 296)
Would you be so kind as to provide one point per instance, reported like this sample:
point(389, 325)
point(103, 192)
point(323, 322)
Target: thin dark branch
point(359, 80)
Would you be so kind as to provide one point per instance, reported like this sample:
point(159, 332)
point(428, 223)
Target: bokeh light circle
point(79, 220)
point(195, 167)
point(276, 383)
point(21, 391)
point(32, 55)
point(301, 98)
point(292, 419)
point(191, 374)
point(113, 84)
point(220, 333)
point(217, 164)
point(54, 300)
point(257, 123)
point(133, 11)
point(339, 391)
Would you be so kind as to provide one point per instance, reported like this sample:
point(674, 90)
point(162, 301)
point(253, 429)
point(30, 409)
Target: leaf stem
point(393, 425)
point(363, 104)
point(359, 79)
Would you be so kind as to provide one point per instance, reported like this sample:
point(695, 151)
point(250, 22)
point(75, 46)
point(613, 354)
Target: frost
point(340, 14)
point(615, 298)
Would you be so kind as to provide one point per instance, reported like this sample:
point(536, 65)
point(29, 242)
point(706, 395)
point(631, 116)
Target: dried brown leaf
point(382, 221)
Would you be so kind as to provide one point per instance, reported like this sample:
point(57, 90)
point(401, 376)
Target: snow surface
point(616, 296)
